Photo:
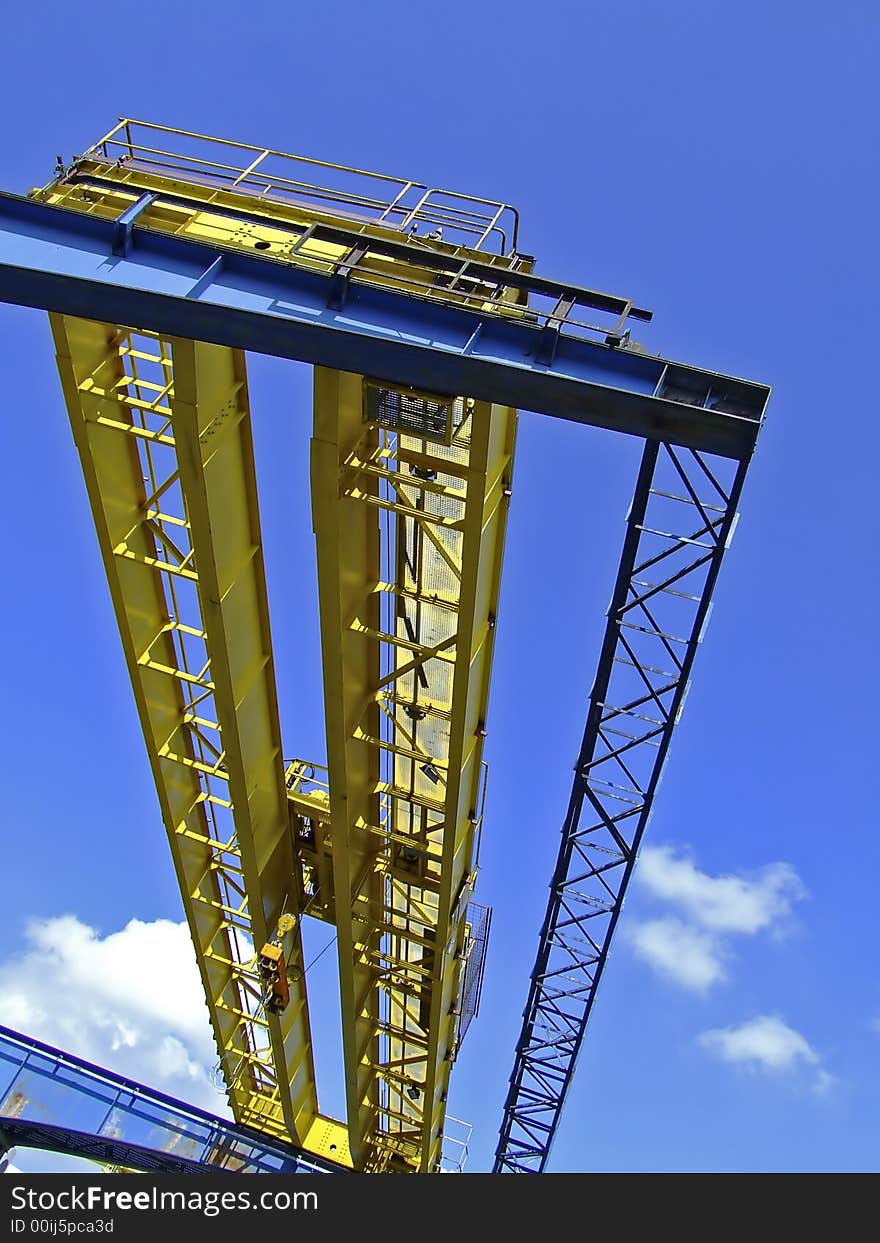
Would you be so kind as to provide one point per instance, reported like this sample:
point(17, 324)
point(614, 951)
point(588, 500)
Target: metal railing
point(411, 207)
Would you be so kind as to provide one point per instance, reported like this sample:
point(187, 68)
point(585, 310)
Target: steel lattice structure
point(679, 527)
point(427, 329)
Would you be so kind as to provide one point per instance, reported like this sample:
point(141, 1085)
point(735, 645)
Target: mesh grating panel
point(417, 414)
point(479, 918)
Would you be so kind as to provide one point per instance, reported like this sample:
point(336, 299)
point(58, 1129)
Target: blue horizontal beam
point(62, 260)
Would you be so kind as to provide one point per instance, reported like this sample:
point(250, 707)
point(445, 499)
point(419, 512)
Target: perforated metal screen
point(412, 413)
point(479, 919)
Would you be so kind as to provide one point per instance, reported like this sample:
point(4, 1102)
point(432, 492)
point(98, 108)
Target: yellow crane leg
point(409, 519)
point(163, 433)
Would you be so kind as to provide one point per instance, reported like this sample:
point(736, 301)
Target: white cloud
point(768, 1044)
point(824, 1082)
point(765, 1041)
point(678, 951)
point(720, 903)
point(691, 947)
point(131, 1001)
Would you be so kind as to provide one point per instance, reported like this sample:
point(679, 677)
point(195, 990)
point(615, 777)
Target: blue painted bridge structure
point(54, 1101)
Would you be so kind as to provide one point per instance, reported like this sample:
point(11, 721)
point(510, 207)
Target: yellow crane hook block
point(273, 972)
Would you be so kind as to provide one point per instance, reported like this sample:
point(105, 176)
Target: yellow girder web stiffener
point(163, 433)
point(410, 533)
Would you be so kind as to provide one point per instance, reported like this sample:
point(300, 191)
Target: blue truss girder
point(678, 529)
point(61, 260)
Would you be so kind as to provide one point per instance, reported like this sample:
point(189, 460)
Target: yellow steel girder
point(410, 534)
point(163, 433)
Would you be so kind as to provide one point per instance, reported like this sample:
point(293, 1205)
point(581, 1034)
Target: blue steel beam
point(61, 260)
point(132, 1125)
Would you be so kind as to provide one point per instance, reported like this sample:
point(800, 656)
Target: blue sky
point(713, 161)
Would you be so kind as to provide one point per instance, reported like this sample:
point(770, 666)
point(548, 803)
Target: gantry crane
point(162, 256)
